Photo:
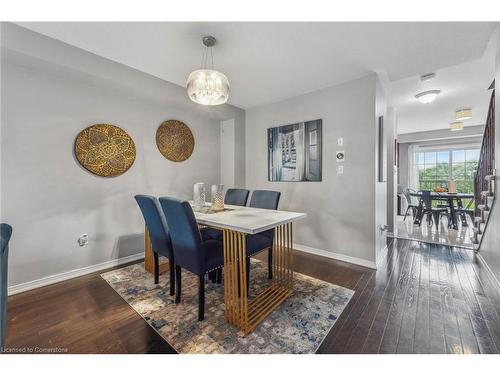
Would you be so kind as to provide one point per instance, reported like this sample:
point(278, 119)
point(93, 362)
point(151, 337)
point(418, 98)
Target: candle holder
point(217, 197)
point(198, 196)
point(452, 186)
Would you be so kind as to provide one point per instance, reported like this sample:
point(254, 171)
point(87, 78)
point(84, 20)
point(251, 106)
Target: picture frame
point(295, 152)
point(382, 151)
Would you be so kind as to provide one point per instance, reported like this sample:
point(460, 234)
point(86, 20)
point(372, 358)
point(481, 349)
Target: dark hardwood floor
point(422, 299)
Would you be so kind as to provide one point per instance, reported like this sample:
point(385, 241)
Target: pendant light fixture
point(463, 114)
point(208, 86)
point(456, 126)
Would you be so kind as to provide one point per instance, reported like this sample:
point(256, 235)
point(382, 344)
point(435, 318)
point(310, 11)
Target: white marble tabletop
point(246, 219)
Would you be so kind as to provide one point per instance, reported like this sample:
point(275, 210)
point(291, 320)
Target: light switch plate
point(340, 141)
point(340, 169)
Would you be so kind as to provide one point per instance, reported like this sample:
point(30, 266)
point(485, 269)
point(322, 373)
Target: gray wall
point(392, 175)
point(380, 187)
point(490, 246)
point(51, 91)
point(341, 209)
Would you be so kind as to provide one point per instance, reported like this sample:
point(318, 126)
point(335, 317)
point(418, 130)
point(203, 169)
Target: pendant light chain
point(212, 53)
point(204, 58)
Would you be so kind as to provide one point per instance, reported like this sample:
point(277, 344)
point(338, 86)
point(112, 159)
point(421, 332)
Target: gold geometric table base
point(149, 261)
point(239, 311)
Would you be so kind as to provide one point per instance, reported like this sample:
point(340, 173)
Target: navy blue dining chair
point(191, 251)
point(5, 234)
point(235, 197)
point(433, 212)
point(255, 243)
point(159, 235)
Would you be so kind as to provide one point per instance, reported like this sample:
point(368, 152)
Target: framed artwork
point(382, 151)
point(295, 152)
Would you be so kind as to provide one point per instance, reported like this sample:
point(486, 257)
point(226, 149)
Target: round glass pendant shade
point(208, 87)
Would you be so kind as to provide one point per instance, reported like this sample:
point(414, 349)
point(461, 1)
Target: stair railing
point(486, 162)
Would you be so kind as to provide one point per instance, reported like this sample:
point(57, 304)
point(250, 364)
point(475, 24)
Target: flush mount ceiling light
point(208, 86)
point(463, 114)
point(456, 126)
point(427, 96)
point(427, 77)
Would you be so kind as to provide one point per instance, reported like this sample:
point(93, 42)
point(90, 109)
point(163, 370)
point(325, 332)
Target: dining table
point(236, 223)
point(451, 199)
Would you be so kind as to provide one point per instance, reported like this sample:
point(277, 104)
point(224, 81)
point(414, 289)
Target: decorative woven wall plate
point(105, 150)
point(175, 140)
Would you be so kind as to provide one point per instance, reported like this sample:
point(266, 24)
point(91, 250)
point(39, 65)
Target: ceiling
point(462, 86)
point(268, 62)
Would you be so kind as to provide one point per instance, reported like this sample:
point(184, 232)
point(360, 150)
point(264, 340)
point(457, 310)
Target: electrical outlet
point(83, 240)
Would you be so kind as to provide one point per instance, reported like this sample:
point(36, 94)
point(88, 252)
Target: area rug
point(299, 325)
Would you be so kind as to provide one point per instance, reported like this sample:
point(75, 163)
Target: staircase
point(484, 209)
point(484, 178)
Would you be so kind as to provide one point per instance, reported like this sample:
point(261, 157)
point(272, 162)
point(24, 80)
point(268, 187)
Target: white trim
point(19, 288)
point(452, 147)
point(488, 268)
point(48, 280)
point(336, 256)
point(378, 259)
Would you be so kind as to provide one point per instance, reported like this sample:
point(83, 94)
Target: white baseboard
point(378, 258)
point(488, 268)
point(336, 256)
point(19, 288)
point(48, 280)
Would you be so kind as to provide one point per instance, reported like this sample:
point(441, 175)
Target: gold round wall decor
point(105, 150)
point(175, 140)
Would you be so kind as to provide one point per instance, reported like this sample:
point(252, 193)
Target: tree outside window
point(436, 168)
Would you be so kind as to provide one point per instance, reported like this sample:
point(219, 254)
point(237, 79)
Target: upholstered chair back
point(236, 197)
point(185, 235)
point(265, 199)
point(156, 224)
point(5, 234)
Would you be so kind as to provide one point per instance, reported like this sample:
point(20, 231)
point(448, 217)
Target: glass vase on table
point(217, 197)
point(198, 196)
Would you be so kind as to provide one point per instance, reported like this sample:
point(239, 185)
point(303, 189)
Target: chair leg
point(171, 268)
point(201, 297)
point(212, 276)
point(219, 276)
point(406, 213)
point(270, 263)
point(436, 219)
point(156, 267)
point(429, 219)
point(177, 284)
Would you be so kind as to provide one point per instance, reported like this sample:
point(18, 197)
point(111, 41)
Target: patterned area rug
point(299, 325)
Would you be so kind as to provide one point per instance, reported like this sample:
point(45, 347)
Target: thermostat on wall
point(340, 156)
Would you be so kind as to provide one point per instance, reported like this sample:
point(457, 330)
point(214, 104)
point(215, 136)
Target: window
point(437, 167)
